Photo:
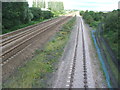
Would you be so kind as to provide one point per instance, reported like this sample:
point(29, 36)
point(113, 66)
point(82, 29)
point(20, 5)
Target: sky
point(95, 5)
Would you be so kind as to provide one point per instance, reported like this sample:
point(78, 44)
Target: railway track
point(84, 60)
point(14, 42)
point(22, 36)
point(17, 32)
point(8, 38)
point(74, 61)
point(11, 34)
point(85, 81)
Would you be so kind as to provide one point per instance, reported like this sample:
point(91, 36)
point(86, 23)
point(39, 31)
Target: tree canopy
point(15, 13)
point(18, 13)
point(110, 27)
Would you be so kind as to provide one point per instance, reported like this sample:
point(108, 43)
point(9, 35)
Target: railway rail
point(75, 58)
point(16, 34)
point(23, 35)
point(74, 61)
point(84, 60)
point(11, 34)
point(16, 41)
point(7, 38)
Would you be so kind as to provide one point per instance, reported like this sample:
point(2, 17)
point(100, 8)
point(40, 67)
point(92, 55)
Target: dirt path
point(95, 78)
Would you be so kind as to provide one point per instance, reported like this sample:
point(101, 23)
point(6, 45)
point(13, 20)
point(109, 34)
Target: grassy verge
point(34, 72)
point(113, 67)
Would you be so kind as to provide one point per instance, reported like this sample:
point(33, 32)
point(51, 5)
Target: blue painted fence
point(101, 60)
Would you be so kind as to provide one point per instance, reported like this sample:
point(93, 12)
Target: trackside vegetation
point(110, 21)
point(57, 7)
point(92, 18)
point(16, 15)
point(34, 72)
point(107, 27)
point(111, 28)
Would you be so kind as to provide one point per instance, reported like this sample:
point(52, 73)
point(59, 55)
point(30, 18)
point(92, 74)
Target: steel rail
point(22, 32)
point(10, 52)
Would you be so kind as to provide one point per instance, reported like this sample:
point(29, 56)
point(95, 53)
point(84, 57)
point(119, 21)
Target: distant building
point(39, 3)
point(54, 5)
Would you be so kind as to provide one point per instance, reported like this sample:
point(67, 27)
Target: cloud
point(99, 5)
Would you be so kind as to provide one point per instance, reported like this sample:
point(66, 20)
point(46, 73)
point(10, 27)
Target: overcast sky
point(97, 5)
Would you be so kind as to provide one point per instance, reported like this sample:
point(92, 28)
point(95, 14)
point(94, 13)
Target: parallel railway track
point(14, 42)
point(8, 38)
point(22, 36)
point(11, 34)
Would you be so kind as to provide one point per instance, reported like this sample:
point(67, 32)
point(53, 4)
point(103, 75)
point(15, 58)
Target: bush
point(82, 12)
point(92, 18)
point(47, 14)
point(36, 13)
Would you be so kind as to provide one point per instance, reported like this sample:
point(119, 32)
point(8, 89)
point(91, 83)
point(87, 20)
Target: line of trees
point(51, 4)
point(57, 7)
point(92, 18)
point(18, 13)
point(15, 14)
point(111, 26)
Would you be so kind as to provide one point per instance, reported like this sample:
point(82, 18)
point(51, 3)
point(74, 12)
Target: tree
point(15, 13)
point(111, 21)
point(39, 14)
point(82, 12)
point(36, 13)
point(89, 19)
point(111, 29)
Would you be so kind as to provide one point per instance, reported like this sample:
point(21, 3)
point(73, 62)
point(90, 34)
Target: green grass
point(34, 72)
point(111, 37)
point(113, 67)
